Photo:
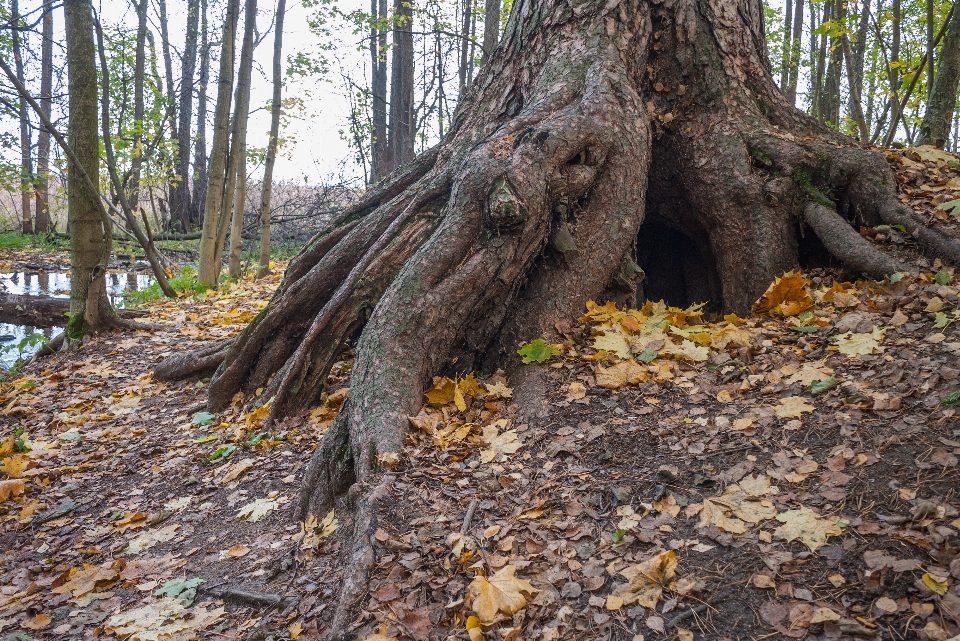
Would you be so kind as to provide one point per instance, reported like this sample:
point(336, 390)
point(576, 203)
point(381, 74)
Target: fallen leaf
point(793, 407)
point(859, 344)
point(646, 580)
point(502, 592)
point(808, 526)
point(237, 469)
point(11, 487)
point(628, 372)
point(146, 540)
point(787, 296)
point(505, 443)
point(257, 510)
point(238, 550)
point(160, 620)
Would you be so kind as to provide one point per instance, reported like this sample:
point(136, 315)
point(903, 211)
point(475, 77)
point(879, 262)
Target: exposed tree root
point(841, 239)
point(532, 205)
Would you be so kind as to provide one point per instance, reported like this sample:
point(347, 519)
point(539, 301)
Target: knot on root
point(503, 206)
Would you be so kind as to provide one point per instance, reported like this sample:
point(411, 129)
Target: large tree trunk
point(935, 129)
point(449, 264)
point(276, 108)
point(43, 225)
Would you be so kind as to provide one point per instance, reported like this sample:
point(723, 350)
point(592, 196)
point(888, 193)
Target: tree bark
point(795, 52)
point(90, 238)
point(200, 146)
point(43, 311)
point(452, 262)
point(209, 271)
point(26, 160)
point(167, 66)
point(276, 108)
point(43, 222)
point(180, 191)
point(402, 129)
point(236, 191)
point(935, 128)
point(491, 28)
point(139, 72)
point(464, 45)
point(379, 154)
point(787, 46)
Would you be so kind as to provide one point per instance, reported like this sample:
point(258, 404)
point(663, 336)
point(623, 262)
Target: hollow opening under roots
point(679, 268)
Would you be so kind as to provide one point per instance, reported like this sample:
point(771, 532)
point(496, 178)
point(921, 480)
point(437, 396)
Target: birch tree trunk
point(26, 160)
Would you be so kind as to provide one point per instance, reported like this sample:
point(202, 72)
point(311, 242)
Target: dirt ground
point(791, 475)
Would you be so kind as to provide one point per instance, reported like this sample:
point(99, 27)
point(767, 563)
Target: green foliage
point(943, 277)
point(537, 351)
point(185, 281)
point(951, 400)
point(16, 240)
point(819, 387)
point(202, 418)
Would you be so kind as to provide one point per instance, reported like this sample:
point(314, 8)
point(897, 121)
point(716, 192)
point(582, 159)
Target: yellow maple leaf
point(14, 466)
point(628, 372)
point(11, 487)
point(502, 592)
point(646, 580)
point(859, 344)
point(443, 391)
point(85, 580)
point(612, 341)
point(744, 501)
point(505, 443)
point(787, 296)
point(500, 390)
point(808, 526)
point(793, 407)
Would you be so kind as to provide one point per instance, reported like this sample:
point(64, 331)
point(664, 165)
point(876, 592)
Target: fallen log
point(43, 311)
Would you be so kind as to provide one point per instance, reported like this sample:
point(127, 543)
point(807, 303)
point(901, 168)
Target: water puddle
point(57, 285)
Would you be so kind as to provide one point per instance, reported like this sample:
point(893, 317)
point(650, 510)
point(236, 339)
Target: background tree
point(275, 111)
point(43, 225)
point(938, 117)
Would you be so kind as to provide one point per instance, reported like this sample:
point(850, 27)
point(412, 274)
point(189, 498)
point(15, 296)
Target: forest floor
point(790, 475)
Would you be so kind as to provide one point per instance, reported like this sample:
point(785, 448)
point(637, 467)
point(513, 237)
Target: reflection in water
point(56, 284)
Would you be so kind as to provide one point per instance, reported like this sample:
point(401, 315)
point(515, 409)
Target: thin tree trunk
point(167, 66)
point(90, 239)
point(276, 107)
point(473, 45)
point(491, 28)
point(380, 160)
point(209, 271)
point(143, 235)
point(401, 138)
point(26, 162)
point(43, 140)
point(787, 46)
point(853, 81)
point(138, 107)
point(817, 18)
point(860, 46)
point(200, 146)
point(935, 128)
point(795, 52)
point(464, 45)
point(930, 47)
point(180, 193)
point(236, 169)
